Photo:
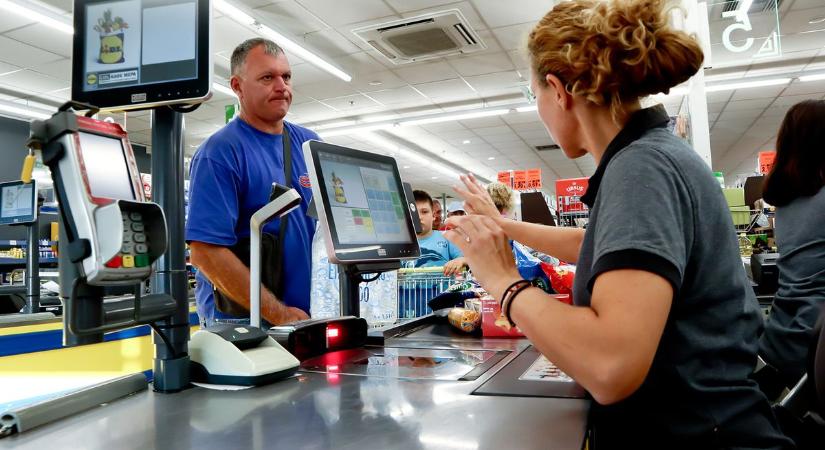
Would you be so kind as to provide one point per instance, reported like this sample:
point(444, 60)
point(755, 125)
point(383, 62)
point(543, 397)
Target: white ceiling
point(35, 68)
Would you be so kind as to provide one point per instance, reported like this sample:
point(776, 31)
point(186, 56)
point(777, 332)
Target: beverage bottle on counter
point(745, 247)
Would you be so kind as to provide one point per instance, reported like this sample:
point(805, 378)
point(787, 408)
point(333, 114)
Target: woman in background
point(502, 197)
point(795, 187)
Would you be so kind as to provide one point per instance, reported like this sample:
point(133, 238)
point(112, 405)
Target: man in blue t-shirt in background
point(231, 177)
point(436, 251)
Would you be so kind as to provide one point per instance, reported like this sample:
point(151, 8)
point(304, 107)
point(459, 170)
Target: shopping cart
point(417, 286)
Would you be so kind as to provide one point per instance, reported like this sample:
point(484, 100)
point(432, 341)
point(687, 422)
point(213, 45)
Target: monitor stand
point(350, 277)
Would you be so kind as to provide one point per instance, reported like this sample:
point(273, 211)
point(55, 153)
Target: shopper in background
point(502, 197)
point(795, 187)
point(231, 177)
point(663, 330)
point(438, 217)
point(456, 208)
point(435, 250)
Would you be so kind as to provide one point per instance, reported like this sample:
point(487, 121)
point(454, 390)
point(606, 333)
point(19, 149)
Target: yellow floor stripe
point(23, 329)
point(110, 358)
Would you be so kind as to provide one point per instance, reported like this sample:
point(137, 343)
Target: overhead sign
point(521, 180)
point(533, 179)
point(744, 30)
point(568, 194)
point(766, 160)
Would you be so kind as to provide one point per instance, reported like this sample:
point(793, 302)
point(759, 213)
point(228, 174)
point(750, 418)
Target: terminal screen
point(17, 202)
point(106, 168)
point(139, 42)
point(366, 204)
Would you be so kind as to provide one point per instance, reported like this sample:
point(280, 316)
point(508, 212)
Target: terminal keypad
point(134, 251)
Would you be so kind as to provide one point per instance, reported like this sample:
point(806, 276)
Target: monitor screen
point(362, 202)
point(106, 167)
point(140, 51)
point(18, 202)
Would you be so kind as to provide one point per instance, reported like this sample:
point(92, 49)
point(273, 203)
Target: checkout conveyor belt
point(326, 407)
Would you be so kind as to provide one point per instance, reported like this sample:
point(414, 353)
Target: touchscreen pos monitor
point(18, 202)
point(361, 205)
point(131, 54)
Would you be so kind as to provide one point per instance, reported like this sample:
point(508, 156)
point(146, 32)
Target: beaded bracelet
point(503, 318)
point(510, 301)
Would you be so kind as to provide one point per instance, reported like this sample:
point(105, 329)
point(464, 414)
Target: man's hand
point(455, 267)
point(277, 313)
point(295, 314)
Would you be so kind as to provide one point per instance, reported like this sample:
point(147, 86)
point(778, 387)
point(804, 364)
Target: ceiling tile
point(496, 81)
point(499, 13)
point(6, 68)
point(426, 72)
point(748, 105)
point(356, 63)
point(763, 92)
point(289, 17)
point(18, 53)
point(339, 13)
point(306, 73)
point(327, 89)
point(227, 34)
point(60, 69)
point(812, 88)
point(351, 102)
point(44, 38)
point(13, 21)
point(454, 88)
point(32, 81)
point(397, 96)
point(482, 64)
point(377, 81)
point(514, 37)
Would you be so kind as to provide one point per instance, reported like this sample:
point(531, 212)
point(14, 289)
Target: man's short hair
point(421, 196)
point(243, 49)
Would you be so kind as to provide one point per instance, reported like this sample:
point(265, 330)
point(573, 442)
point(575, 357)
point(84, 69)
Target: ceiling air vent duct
point(419, 38)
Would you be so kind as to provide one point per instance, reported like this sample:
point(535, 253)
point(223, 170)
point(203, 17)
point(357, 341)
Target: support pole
point(171, 369)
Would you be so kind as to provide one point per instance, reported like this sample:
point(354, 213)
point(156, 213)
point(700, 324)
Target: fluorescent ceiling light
point(417, 119)
point(354, 130)
point(527, 108)
point(20, 110)
point(223, 89)
point(238, 15)
point(34, 11)
point(394, 149)
point(816, 77)
point(454, 117)
point(747, 85)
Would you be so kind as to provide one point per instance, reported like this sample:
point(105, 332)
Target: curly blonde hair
point(502, 196)
point(612, 52)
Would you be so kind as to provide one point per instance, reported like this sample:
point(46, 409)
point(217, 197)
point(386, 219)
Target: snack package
point(490, 312)
point(530, 267)
point(464, 319)
point(561, 277)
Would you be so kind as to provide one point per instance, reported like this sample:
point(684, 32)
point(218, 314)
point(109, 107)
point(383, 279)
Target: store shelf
point(22, 261)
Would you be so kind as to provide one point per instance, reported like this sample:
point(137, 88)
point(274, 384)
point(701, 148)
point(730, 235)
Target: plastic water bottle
point(720, 178)
point(745, 247)
point(324, 300)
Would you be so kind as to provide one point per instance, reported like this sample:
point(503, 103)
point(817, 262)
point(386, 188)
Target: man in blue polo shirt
point(230, 178)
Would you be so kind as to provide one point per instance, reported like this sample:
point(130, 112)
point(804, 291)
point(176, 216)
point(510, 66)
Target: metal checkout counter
point(427, 386)
point(418, 384)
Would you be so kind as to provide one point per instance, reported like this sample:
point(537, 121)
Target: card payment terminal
point(114, 233)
